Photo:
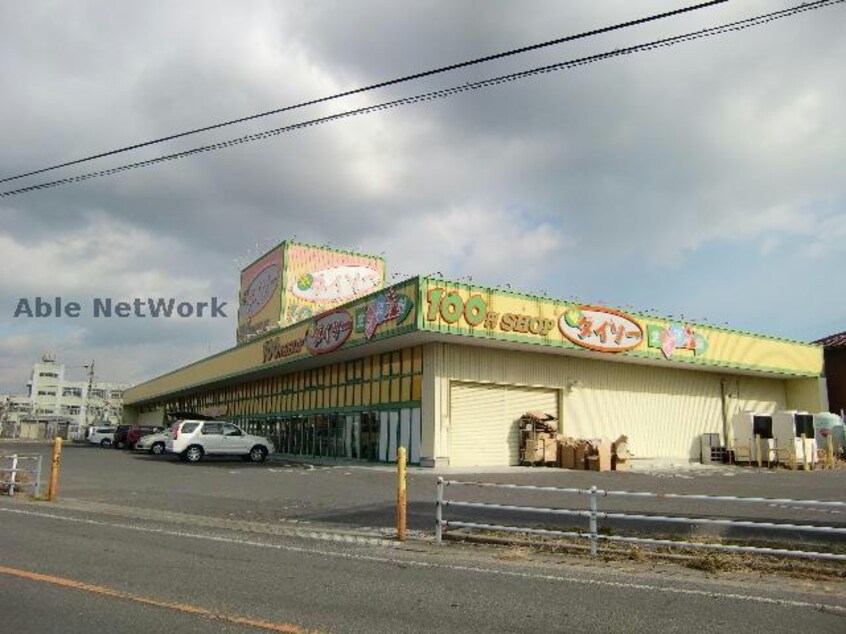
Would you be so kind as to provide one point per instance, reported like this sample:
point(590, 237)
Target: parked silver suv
point(193, 439)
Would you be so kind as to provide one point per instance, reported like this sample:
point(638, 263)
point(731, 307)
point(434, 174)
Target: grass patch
point(517, 546)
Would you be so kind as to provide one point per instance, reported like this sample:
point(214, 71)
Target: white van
point(103, 436)
point(193, 439)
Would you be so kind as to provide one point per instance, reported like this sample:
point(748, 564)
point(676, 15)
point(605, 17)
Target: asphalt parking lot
point(363, 496)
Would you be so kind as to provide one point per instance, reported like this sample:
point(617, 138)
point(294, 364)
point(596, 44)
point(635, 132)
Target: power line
point(383, 84)
point(739, 25)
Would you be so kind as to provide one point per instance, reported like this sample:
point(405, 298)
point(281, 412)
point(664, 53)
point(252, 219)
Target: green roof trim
point(639, 315)
point(287, 243)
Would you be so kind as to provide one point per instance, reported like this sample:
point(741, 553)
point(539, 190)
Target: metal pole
point(593, 528)
point(402, 496)
point(439, 512)
point(829, 452)
point(758, 449)
point(804, 452)
point(38, 477)
point(53, 491)
point(14, 475)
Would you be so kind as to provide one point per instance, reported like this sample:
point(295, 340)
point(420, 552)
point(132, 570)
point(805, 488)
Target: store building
point(446, 369)
point(834, 355)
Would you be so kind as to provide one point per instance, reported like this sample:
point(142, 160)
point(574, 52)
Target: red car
point(136, 431)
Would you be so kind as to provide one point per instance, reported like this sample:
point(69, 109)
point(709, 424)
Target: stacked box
point(599, 458)
point(620, 454)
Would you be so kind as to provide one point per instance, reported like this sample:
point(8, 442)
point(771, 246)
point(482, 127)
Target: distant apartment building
point(54, 399)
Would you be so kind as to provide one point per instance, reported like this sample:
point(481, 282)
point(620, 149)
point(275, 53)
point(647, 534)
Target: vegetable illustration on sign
point(601, 329)
point(676, 337)
point(328, 332)
point(335, 284)
point(385, 306)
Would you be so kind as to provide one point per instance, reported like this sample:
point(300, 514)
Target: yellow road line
point(287, 628)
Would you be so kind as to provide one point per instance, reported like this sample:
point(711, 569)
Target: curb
point(290, 528)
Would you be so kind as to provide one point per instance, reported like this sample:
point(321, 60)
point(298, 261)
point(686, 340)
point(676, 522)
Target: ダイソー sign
point(601, 329)
point(329, 332)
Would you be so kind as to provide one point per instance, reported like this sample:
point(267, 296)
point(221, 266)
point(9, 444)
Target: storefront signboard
point(260, 298)
point(383, 308)
point(328, 332)
point(601, 329)
point(466, 310)
point(318, 279)
point(672, 337)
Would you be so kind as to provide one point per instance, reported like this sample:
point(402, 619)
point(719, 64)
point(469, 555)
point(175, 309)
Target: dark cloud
point(679, 179)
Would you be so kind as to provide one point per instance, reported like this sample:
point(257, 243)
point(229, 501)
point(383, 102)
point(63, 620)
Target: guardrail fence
point(20, 472)
point(593, 514)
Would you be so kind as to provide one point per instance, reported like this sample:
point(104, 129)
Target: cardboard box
point(568, 456)
point(541, 447)
point(600, 456)
point(550, 451)
point(581, 455)
point(619, 465)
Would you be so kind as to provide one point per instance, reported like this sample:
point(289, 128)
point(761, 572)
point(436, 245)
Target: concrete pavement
point(352, 497)
point(340, 587)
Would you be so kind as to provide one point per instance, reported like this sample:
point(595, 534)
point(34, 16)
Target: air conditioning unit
point(711, 448)
point(789, 428)
point(753, 433)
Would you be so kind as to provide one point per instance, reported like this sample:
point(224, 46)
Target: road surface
point(76, 571)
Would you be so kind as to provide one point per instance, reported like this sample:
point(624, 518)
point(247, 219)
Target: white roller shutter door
point(484, 422)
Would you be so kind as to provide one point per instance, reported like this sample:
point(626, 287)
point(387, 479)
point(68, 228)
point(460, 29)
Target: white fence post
point(439, 512)
point(594, 541)
point(14, 477)
point(594, 514)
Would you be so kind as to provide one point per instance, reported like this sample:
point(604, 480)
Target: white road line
point(804, 509)
point(835, 609)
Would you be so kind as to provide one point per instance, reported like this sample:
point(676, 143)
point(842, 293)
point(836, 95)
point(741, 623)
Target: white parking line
point(452, 567)
point(805, 509)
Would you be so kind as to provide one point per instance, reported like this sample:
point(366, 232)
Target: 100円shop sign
point(155, 307)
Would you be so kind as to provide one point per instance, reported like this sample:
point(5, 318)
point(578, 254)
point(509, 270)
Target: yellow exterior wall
point(663, 411)
point(805, 394)
point(435, 407)
point(490, 307)
point(275, 349)
point(387, 378)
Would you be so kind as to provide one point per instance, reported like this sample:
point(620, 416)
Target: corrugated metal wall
point(154, 418)
point(662, 411)
point(484, 421)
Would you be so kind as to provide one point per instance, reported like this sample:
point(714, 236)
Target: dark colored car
point(136, 431)
point(119, 441)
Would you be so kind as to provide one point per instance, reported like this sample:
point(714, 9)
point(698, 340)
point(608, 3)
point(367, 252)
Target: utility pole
point(4, 413)
point(88, 396)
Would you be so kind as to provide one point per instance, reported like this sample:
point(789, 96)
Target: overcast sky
point(704, 180)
